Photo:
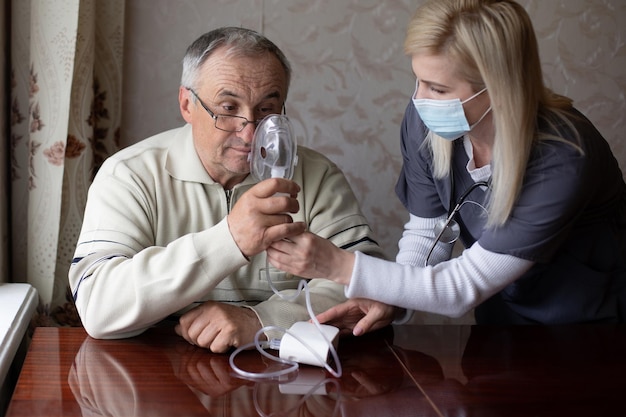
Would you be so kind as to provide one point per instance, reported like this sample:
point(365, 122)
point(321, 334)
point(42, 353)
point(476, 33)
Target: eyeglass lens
point(231, 123)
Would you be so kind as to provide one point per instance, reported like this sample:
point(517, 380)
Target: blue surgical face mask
point(445, 118)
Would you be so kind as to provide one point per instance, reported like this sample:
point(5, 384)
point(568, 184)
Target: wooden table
point(399, 371)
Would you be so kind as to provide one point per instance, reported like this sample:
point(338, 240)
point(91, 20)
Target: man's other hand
point(218, 326)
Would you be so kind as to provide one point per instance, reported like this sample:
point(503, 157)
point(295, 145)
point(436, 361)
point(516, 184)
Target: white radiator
point(17, 306)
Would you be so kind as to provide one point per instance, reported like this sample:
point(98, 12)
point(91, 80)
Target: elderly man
point(175, 225)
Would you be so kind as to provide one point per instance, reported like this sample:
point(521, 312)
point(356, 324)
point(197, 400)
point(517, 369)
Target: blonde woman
point(492, 155)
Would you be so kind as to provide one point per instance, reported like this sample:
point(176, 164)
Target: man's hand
point(218, 326)
point(358, 315)
point(260, 216)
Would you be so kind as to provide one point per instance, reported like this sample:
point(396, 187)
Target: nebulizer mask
point(274, 155)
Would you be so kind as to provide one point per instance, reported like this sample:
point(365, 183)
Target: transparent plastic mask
point(274, 146)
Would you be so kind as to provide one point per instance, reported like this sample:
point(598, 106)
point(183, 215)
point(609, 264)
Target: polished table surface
point(399, 371)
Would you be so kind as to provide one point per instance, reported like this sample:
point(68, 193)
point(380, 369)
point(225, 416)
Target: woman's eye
point(436, 90)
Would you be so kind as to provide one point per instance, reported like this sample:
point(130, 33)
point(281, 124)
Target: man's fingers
point(283, 231)
point(269, 187)
point(179, 330)
point(218, 345)
point(182, 332)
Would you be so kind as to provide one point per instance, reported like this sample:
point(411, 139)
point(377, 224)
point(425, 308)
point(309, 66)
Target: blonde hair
point(494, 46)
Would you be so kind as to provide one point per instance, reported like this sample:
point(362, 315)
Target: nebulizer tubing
point(274, 344)
point(274, 134)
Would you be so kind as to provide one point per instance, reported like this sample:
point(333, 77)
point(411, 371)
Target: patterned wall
point(352, 81)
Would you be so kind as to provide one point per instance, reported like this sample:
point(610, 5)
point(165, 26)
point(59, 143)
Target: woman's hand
point(359, 315)
point(310, 256)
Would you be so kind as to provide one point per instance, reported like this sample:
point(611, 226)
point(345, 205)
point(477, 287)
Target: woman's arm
point(450, 288)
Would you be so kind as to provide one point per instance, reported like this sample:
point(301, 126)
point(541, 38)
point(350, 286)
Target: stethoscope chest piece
point(448, 231)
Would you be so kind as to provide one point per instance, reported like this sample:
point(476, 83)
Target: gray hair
point(241, 41)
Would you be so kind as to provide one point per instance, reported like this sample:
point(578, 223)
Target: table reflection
point(545, 371)
point(145, 376)
point(525, 370)
point(404, 371)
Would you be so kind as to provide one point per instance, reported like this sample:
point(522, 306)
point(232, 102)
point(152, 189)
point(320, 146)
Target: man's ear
point(185, 103)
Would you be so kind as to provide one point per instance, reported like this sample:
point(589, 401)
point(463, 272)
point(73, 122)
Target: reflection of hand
point(310, 256)
point(358, 315)
point(369, 365)
point(369, 385)
point(218, 326)
point(209, 374)
point(258, 218)
point(375, 383)
point(109, 378)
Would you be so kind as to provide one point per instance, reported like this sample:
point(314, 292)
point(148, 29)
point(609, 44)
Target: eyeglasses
point(226, 122)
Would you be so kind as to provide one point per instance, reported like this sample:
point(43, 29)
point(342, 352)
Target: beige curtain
point(65, 106)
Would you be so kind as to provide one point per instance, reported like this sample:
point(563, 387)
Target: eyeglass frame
point(215, 116)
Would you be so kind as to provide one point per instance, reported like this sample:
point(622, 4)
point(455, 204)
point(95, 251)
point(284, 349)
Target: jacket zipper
point(229, 194)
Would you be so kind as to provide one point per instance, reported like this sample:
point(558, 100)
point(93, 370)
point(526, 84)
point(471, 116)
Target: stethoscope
point(448, 230)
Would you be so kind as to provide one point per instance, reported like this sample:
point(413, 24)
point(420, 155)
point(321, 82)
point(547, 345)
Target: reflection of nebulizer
point(273, 153)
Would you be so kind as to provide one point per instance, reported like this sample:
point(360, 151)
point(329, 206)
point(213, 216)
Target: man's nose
point(247, 134)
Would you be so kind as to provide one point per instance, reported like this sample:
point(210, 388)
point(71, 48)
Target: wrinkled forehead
point(242, 76)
